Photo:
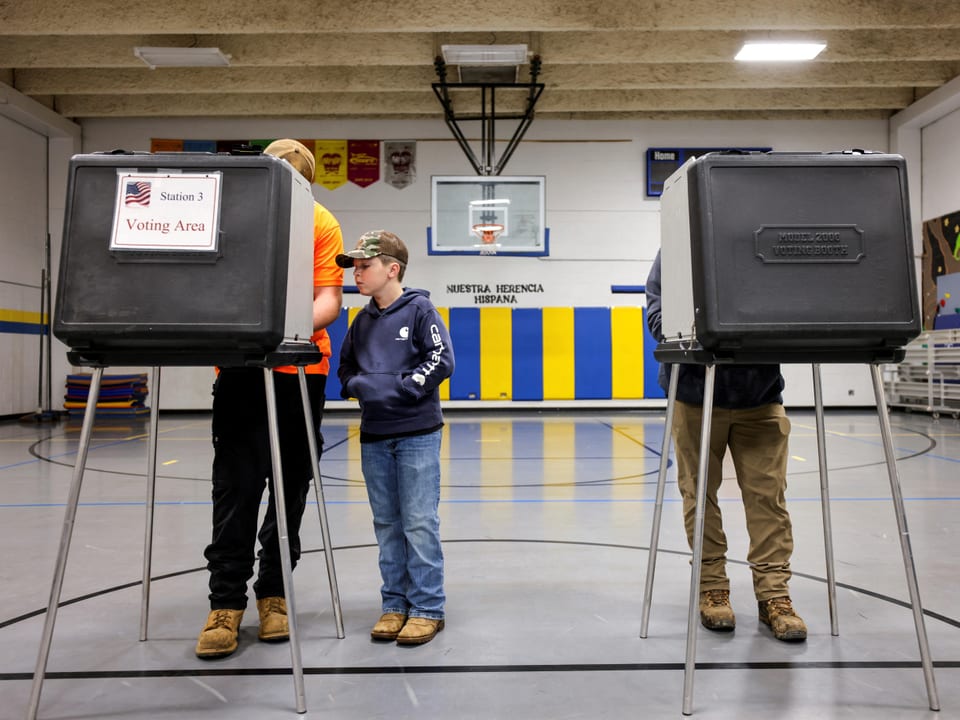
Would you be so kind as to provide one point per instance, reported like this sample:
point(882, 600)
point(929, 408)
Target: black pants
point(242, 468)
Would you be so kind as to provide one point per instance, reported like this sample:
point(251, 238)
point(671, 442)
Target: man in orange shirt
point(242, 465)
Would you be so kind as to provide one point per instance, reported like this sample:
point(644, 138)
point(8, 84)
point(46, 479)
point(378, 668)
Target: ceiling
point(601, 59)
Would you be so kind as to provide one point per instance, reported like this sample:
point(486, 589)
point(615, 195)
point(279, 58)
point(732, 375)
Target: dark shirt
point(735, 386)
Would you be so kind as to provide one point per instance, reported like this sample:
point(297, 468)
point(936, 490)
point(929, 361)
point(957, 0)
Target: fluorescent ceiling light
point(484, 54)
point(182, 57)
point(774, 51)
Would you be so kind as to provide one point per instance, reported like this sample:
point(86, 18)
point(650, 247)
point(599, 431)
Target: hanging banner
point(164, 145)
point(200, 146)
point(401, 162)
point(262, 143)
point(363, 162)
point(331, 163)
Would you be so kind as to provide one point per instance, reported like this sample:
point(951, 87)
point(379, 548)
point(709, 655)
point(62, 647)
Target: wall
point(595, 203)
point(35, 145)
point(927, 134)
point(23, 234)
point(604, 232)
point(941, 163)
point(927, 131)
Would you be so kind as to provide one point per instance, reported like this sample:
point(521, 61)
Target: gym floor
point(546, 519)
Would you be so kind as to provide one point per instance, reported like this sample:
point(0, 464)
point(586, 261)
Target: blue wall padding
point(528, 354)
point(591, 329)
point(465, 335)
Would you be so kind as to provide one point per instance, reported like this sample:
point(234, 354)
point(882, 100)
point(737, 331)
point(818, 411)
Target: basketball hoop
point(488, 233)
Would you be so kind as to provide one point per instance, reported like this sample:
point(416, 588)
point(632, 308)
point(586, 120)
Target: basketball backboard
point(459, 204)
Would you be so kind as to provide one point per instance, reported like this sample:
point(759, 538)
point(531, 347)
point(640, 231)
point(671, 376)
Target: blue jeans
point(403, 485)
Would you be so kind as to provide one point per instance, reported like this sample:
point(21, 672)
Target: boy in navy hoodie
point(396, 353)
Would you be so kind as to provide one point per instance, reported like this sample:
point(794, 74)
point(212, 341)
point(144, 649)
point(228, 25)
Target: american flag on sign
point(137, 193)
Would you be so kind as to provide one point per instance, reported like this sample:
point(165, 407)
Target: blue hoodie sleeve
point(347, 369)
point(436, 355)
point(653, 300)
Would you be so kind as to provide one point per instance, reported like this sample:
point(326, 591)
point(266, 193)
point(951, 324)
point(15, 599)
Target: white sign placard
point(175, 211)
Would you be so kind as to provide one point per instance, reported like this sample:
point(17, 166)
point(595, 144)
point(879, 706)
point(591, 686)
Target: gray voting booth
point(780, 258)
point(184, 257)
point(187, 259)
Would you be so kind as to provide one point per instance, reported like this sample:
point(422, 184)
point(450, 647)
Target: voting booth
point(188, 259)
point(771, 258)
point(798, 253)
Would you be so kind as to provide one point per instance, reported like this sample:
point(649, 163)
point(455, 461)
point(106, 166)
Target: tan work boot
point(419, 630)
point(778, 613)
point(219, 636)
point(715, 610)
point(273, 619)
point(388, 626)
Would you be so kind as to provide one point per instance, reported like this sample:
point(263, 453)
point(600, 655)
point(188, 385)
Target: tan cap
point(295, 153)
point(373, 243)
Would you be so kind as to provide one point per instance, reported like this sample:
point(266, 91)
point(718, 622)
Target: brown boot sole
point(420, 640)
point(274, 638)
point(386, 634)
point(790, 635)
point(214, 654)
point(718, 625)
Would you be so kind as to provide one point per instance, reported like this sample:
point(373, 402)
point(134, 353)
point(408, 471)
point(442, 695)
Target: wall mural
point(941, 256)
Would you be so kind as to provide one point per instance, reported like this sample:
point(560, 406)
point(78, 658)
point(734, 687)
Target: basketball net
point(488, 233)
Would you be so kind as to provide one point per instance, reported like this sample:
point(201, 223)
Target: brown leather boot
point(786, 625)
point(388, 626)
point(273, 619)
point(715, 610)
point(419, 630)
point(219, 636)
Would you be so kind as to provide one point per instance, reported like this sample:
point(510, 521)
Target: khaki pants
point(757, 438)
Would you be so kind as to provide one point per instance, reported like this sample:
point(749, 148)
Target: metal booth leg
point(283, 539)
point(702, 473)
point(151, 502)
point(905, 545)
point(825, 502)
point(658, 505)
point(69, 517)
point(321, 504)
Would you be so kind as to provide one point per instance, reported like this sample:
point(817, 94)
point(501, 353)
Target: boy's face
point(373, 274)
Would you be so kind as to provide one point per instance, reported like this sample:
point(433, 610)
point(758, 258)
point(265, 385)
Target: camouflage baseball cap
point(373, 243)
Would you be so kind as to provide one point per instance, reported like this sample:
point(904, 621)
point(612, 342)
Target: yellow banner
point(331, 163)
